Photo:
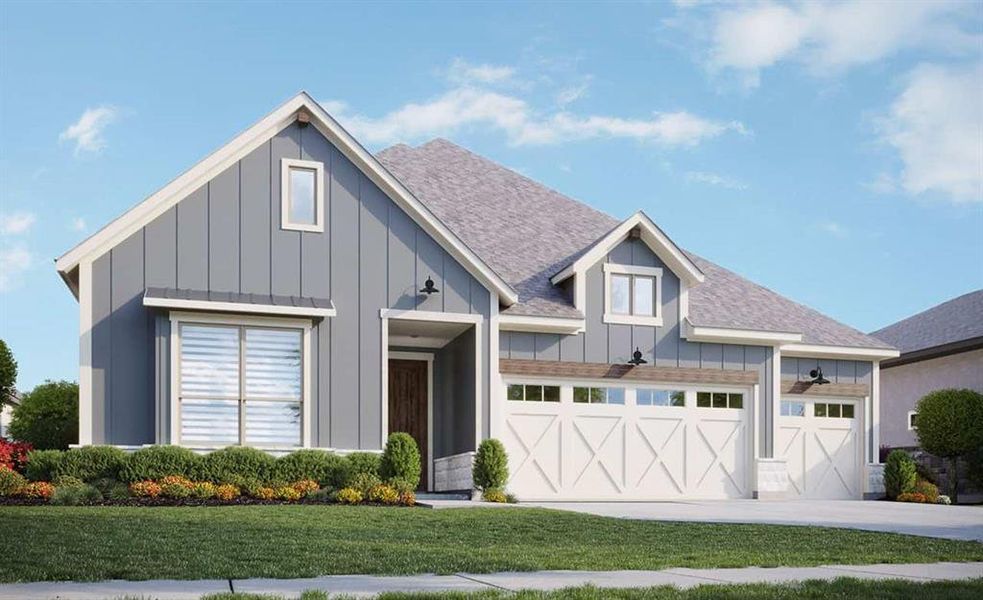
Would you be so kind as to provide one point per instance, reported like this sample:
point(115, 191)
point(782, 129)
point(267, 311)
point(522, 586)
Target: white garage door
point(585, 442)
point(821, 443)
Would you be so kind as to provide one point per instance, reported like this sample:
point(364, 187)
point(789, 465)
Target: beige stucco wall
point(901, 387)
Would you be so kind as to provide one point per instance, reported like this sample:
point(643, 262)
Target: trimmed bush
point(91, 462)
point(145, 489)
point(75, 495)
point(914, 497)
point(348, 496)
point(38, 489)
point(927, 489)
point(202, 490)
point(401, 459)
point(227, 492)
point(48, 416)
point(383, 494)
point(358, 463)
point(119, 491)
point(265, 493)
point(157, 462)
point(42, 465)
point(949, 427)
point(222, 466)
point(286, 492)
point(363, 482)
point(899, 474)
point(306, 487)
point(323, 467)
point(494, 495)
point(11, 482)
point(491, 465)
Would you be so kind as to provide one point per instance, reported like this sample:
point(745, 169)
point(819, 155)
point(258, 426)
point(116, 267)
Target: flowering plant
point(13, 455)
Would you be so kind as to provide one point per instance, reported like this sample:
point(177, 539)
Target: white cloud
point(832, 36)
point(936, 126)
point(78, 224)
point(573, 93)
point(833, 228)
point(16, 223)
point(715, 180)
point(464, 72)
point(87, 132)
point(469, 107)
point(14, 262)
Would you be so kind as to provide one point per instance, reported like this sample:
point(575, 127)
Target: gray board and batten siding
point(226, 237)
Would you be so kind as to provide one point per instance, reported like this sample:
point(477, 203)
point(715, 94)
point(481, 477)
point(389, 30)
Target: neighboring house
point(6, 413)
point(941, 347)
point(293, 290)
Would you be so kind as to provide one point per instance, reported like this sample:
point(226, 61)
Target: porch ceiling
point(424, 334)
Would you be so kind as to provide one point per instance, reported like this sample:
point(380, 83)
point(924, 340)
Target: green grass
point(845, 589)
point(47, 543)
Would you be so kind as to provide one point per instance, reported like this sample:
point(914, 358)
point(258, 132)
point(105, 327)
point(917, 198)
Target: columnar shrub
point(899, 474)
point(222, 466)
point(156, 462)
point(401, 459)
point(323, 467)
point(491, 465)
point(11, 482)
point(91, 462)
point(42, 465)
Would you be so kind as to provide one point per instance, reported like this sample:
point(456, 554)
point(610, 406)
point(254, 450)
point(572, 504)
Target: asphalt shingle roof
point(957, 320)
point(528, 232)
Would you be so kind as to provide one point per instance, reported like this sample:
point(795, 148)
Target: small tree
point(48, 416)
point(949, 426)
point(900, 474)
point(8, 374)
point(401, 459)
point(491, 466)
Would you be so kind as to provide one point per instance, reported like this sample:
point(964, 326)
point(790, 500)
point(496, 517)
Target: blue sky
point(832, 152)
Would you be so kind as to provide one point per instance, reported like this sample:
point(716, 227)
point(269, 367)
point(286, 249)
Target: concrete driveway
point(953, 522)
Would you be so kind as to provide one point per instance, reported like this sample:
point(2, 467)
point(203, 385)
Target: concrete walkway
point(368, 585)
point(931, 520)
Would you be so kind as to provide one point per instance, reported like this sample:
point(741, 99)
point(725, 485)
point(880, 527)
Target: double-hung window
point(632, 295)
point(240, 384)
point(302, 195)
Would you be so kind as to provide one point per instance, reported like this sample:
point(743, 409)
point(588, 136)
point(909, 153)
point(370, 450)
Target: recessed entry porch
point(431, 378)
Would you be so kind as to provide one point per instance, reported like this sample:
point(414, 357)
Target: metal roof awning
point(233, 302)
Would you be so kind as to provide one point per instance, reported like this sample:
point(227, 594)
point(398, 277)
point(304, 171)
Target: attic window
point(302, 195)
point(632, 295)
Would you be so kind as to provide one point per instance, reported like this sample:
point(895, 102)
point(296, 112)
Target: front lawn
point(48, 543)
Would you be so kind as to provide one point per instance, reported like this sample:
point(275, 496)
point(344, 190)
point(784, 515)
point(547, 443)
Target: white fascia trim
point(726, 335)
point(286, 164)
point(842, 352)
point(657, 240)
point(172, 193)
point(239, 307)
point(429, 315)
point(534, 324)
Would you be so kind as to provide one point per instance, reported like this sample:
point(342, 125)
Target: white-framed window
point(239, 381)
point(833, 410)
point(302, 195)
point(719, 400)
point(650, 397)
point(793, 408)
point(912, 420)
point(519, 392)
point(632, 295)
point(598, 395)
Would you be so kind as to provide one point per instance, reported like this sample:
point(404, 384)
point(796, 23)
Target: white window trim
point(911, 413)
point(616, 269)
point(237, 320)
point(286, 164)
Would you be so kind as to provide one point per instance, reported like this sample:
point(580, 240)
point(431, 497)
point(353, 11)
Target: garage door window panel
point(650, 397)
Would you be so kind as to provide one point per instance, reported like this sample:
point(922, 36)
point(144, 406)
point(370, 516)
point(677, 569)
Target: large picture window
point(240, 384)
point(632, 295)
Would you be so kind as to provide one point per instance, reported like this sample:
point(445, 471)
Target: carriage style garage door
point(585, 442)
point(821, 443)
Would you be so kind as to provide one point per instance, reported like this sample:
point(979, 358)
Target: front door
point(408, 405)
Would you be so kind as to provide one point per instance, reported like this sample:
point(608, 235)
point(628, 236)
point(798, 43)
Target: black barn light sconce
point(817, 376)
point(428, 287)
point(636, 358)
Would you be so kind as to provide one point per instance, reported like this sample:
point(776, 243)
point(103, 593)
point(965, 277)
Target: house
point(941, 347)
point(7, 413)
point(293, 290)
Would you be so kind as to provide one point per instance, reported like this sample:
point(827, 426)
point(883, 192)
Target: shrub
point(348, 496)
point(943, 499)
point(119, 491)
point(248, 485)
point(949, 426)
point(912, 497)
point(491, 465)
point(42, 465)
point(363, 482)
point(306, 487)
point(202, 490)
point(899, 474)
point(38, 489)
point(264, 493)
point(382, 494)
point(407, 498)
point(235, 461)
point(325, 494)
point(400, 485)
point(927, 489)
point(175, 486)
point(401, 459)
point(13, 455)
point(286, 492)
point(105, 484)
point(323, 467)
point(227, 492)
point(11, 482)
point(494, 495)
point(156, 462)
point(359, 463)
point(74, 495)
point(145, 489)
point(48, 416)
point(68, 481)
point(92, 462)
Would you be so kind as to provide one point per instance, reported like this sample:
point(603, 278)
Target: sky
point(832, 152)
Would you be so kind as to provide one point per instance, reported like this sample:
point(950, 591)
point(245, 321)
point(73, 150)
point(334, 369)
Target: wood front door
point(408, 382)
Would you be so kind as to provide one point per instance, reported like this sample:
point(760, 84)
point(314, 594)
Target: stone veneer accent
point(453, 473)
point(772, 481)
point(875, 482)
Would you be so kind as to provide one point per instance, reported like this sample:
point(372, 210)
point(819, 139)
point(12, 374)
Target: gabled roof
point(528, 233)
point(178, 189)
point(954, 321)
